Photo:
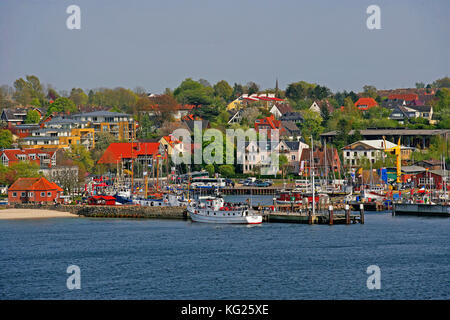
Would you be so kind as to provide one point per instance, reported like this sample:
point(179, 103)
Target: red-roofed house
point(172, 145)
point(269, 123)
point(125, 151)
point(365, 103)
point(44, 158)
point(25, 190)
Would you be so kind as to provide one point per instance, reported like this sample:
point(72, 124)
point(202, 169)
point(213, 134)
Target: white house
point(371, 150)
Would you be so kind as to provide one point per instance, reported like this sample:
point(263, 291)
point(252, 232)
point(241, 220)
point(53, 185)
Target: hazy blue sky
point(158, 43)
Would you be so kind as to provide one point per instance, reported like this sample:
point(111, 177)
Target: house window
point(365, 153)
point(42, 194)
point(293, 157)
point(49, 194)
point(348, 153)
point(30, 194)
point(354, 154)
point(23, 194)
point(14, 194)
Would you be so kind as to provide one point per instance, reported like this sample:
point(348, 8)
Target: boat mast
point(312, 175)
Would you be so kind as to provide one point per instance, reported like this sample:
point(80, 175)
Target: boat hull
point(421, 209)
point(223, 217)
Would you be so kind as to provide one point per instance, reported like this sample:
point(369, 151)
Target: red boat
point(296, 197)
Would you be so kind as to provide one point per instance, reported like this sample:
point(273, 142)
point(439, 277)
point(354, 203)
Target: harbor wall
point(112, 211)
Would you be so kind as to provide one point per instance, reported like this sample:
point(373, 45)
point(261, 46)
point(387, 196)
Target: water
point(165, 259)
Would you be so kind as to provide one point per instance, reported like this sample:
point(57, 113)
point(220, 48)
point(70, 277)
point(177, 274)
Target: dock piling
point(347, 214)
point(361, 213)
point(330, 213)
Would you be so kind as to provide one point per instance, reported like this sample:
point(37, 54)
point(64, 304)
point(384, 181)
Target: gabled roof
point(365, 103)
point(34, 184)
point(124, 150)
point(283, 108)
point(373, 144)
point(292, 116)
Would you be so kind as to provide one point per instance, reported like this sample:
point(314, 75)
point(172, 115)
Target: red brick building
point(25, 190)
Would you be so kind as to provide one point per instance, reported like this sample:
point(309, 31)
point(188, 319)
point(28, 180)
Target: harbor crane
point(398, 154)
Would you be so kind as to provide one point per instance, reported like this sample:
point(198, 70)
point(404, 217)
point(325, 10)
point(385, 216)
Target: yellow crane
point(398, 154)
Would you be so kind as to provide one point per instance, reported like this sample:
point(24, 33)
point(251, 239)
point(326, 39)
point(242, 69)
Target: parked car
point(270, 182)
point(260, 183)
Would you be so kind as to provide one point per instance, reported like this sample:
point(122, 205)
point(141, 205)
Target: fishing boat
point(217, 211)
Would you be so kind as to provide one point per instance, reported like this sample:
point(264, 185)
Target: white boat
point(168, 200)
point(216, 211)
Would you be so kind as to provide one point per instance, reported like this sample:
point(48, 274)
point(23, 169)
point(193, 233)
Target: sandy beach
point(9, 214)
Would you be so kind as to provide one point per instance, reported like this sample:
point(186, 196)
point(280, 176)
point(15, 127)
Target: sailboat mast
point(312, 175)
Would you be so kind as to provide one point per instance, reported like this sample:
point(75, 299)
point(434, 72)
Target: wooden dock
point(305, 218)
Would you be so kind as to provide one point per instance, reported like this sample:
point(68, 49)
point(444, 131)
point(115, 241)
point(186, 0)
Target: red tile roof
point(122, 150)
point(365, 103)
point(406, 96)
point(33, 184)
point(12, 154)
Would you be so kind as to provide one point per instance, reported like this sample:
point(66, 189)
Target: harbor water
point(176, 259)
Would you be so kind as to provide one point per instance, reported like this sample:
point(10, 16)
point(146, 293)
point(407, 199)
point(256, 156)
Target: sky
point(156, 44)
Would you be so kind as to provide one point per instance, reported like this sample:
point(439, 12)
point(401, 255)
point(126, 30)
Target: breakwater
point(112, 211)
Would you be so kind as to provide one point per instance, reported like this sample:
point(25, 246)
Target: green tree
point(442, 83)
point(32, 116)
point(80, 156)
point(26, 90)
point(369, 91)
point(78, 96)
point(210, 169)
point(5, 139)
point(312, 124)
point(193, 92)
point(62, 105)
point(223, 90)
point(226, 170)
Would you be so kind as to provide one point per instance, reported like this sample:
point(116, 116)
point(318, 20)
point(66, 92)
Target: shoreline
point(19, 214)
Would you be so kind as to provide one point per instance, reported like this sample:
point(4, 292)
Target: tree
point(252, 87)
point(420, 85)
point(104, 139)
point(5, 139)
point(283, 162)
point(369, 91)
point(62, 105)
point(32, 116)
point(442, 83)
point(210, 169)
point(226, 170)
point(311, 124)
point(26, 90)
point(238, 90)
point(80, 156)
point(78, 96)
point(193, 92)
point(223, 90)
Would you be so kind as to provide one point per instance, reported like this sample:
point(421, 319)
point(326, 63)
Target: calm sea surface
point(164, 259)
